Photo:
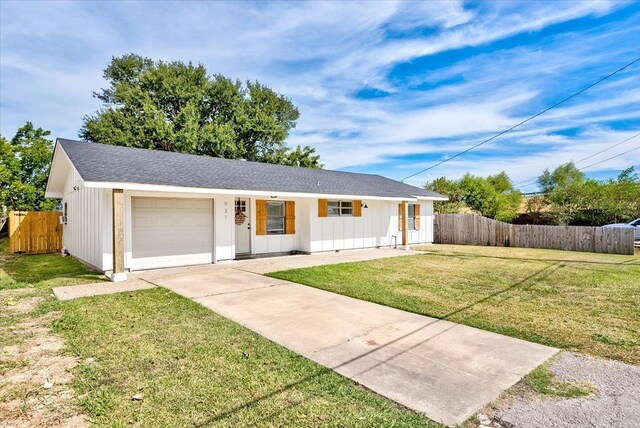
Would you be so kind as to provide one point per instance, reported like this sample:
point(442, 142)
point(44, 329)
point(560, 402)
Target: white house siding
point(299, 241)
point(425, 233)
point(87, 236)
point(377, 227)
point(107, 230)
point(374, 228)
point(225, 233)
point(82, 235)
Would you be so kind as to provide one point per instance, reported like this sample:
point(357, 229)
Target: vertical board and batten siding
point(224, 233)
point(329, 233)
point(297, 236)
point(32, 232)
point(424, 223)
point(472, 229)
point(376, 227)
point(83, 234)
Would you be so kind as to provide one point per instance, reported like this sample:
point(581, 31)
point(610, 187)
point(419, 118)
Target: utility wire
point(612, 157)
point(526, 120)
point(532, 180)
point(608, 148)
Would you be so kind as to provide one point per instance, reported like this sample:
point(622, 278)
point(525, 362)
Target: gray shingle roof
point(105, 163)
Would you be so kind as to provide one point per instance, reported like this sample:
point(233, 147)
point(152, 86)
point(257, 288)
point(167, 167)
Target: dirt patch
point(19, 300)
point(35, 376)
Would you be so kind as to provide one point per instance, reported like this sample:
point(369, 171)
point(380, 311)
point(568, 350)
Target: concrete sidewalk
point(257, 265)
point(99, 288)
point(445, 370)
point(277, 263)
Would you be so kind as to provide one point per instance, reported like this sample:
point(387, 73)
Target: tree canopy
point(574, 199)
point(567, 197)
point(177, 106)
point(493, 197)
point(24, 168)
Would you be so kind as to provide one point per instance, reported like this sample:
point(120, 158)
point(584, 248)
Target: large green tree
point(177, 106)
point(24, 168)
point(575, 199)
point(493, 196)
point(450, 188)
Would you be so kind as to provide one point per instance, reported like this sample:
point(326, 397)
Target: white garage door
point(171, 232)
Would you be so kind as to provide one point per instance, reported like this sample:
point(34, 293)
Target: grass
point(192, 366)
point(197, 368)
point(38, 274)
point(543, 381)
point(582, 302)
point(42, 271)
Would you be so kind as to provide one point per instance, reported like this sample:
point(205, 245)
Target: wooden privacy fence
point(34, 232)
point(472, 229)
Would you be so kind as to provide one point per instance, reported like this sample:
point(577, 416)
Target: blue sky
point(382, 87)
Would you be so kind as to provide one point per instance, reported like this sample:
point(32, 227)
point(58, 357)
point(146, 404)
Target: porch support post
point(405, 225)
point(117, 199)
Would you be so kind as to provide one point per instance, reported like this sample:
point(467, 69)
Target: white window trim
point(340, 208)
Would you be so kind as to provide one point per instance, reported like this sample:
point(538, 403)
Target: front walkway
point(277, 263)
point(446, 371)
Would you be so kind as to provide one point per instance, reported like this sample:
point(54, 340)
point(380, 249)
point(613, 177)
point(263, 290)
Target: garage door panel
point(188, 221)
point(163, 221)
point(142, 203)
point(166, 203)
point(171, 232)
point(201, 205)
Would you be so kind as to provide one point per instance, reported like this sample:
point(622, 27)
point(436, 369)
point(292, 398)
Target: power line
point(529, 182)
point(608, 148)
point(526, 181)
point(612, 157)
point(526, 120)
point(533, 179)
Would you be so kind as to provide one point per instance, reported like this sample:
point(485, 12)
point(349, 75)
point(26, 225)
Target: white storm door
point(171, 232)
point(243, 226)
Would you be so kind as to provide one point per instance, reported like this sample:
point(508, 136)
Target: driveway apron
point(444, 370)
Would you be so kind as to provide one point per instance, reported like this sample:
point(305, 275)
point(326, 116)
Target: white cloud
point(321, 53)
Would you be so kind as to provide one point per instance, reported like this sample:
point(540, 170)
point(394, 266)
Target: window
point(412, 217)
point(275, 217)
point(241, 206)
point(339, 208)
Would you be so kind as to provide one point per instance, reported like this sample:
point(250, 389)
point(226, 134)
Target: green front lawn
point(196, 368)
point(582, 302)
point(42, 271)
point(184, 364)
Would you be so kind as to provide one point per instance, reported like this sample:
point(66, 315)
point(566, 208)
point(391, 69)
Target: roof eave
point(432, 198)
point(235, 192)
point(58, 156)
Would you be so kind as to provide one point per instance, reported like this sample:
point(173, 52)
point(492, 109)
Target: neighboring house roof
point(114, 164)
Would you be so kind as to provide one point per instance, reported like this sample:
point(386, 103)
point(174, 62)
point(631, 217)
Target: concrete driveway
point(446, 371)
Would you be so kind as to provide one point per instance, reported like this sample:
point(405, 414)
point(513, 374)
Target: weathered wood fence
point(472, 229)
point(33, 232)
